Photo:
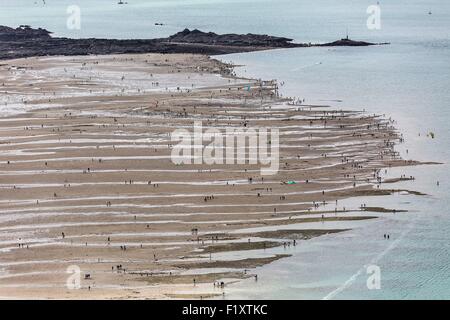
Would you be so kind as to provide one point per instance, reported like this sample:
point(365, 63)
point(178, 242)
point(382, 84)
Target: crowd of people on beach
point(354, 171)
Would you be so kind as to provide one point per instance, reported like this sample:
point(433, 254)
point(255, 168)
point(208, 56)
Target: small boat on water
point(121, 2)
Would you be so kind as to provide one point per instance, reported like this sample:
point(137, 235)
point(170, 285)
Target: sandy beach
point(86, 177)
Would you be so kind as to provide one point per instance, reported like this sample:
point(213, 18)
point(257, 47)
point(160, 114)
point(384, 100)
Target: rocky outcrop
point(231, 39)
point(25, 41)
point(23, 33)
point(349, 43)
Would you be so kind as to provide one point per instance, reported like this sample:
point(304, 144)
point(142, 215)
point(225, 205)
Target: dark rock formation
point(349, 43)
point(25, 41)
point(23, 33)
point(231, 39)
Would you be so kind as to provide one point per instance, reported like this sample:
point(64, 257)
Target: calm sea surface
point(408, 80)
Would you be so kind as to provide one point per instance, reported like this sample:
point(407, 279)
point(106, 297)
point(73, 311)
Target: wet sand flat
point(86, 177)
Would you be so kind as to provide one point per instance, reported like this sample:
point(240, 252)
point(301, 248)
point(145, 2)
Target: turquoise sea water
point(408, 80)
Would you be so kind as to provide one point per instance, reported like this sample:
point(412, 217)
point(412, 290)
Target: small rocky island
point(26, 41)
point(346, 42)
